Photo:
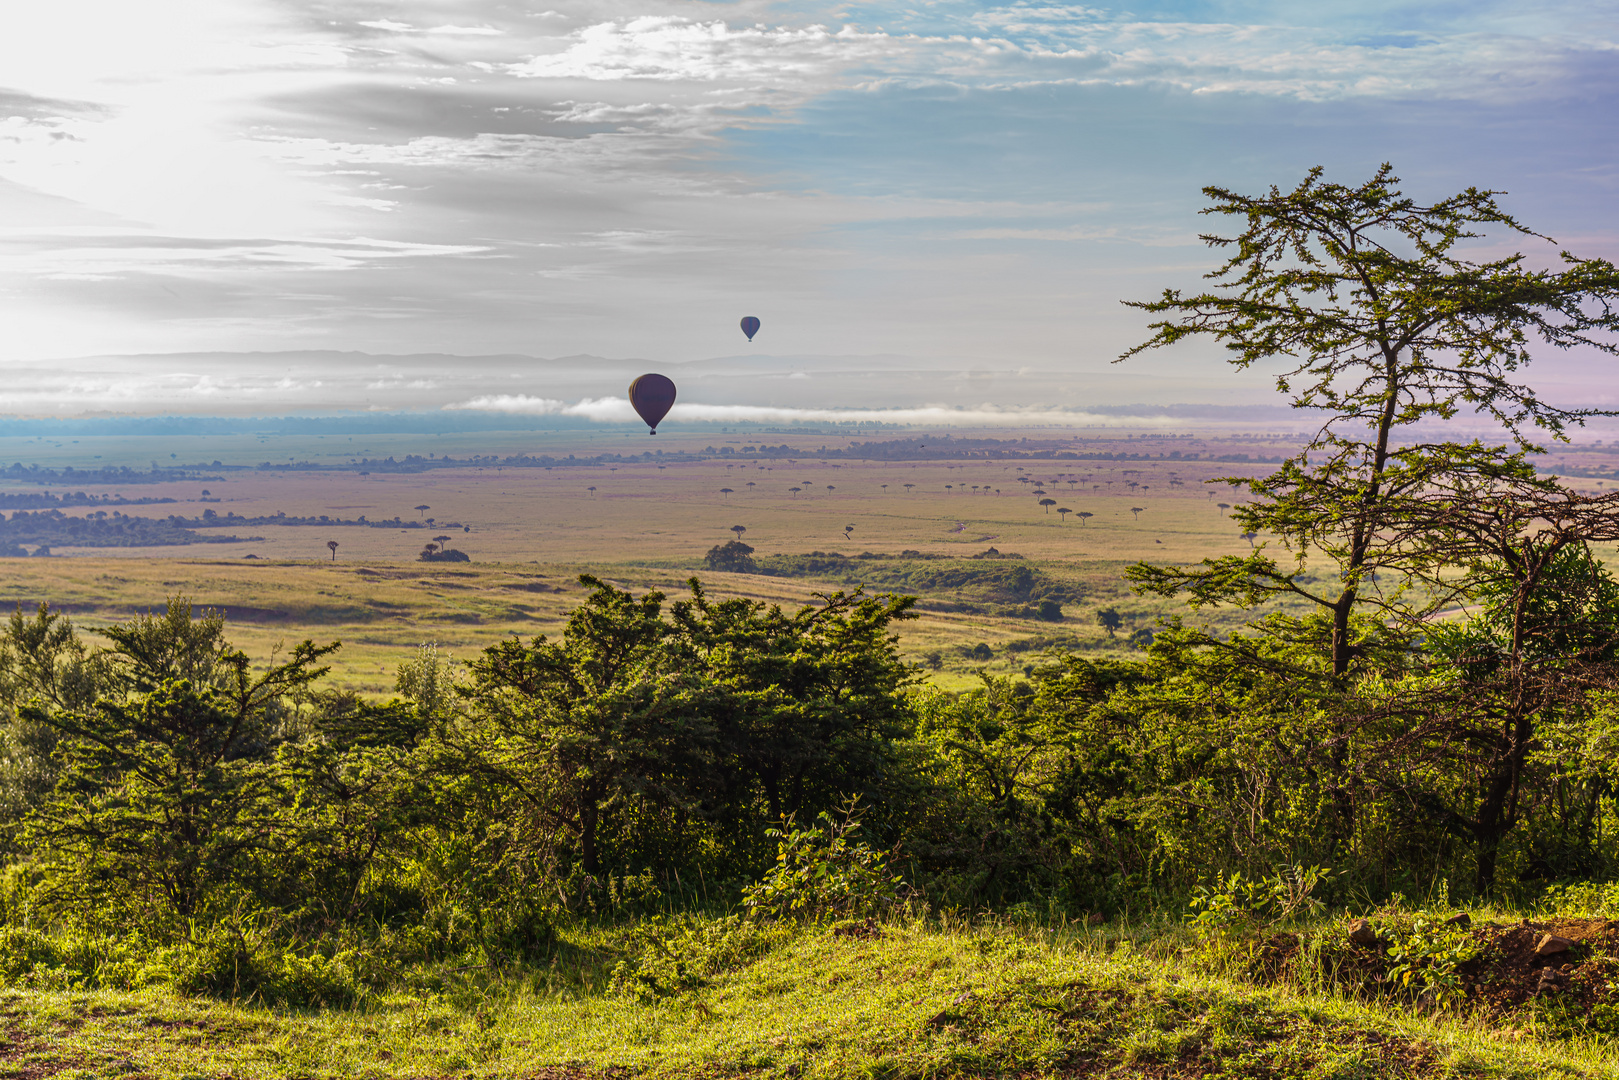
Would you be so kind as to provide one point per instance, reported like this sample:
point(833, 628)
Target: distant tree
point(934, 660)
point(907, 488)
point(422, 507)
point(333, 545)
point(982, 651)
point(751, 484)
point(1062, 513)
point(726, 492)
point(1250, 537)
point(592, 491)
point(1084, 516)
point(731, 557)
point(1110, 620)
point(443, 541)
point(739, 530)
point(1136, 510)
point(795, 491)
point(1223, 507)
point(1048, 504)
point(1050, 611)
point(829, 487)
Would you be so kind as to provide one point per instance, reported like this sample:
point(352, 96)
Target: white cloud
point(92, 254)
point(671, 48)
point(615, 410)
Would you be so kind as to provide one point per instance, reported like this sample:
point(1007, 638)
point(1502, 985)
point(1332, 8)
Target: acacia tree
point(1382, 322)
point(1547, 634)
point(574, 729)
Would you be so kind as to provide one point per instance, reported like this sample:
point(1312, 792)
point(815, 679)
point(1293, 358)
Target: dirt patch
point(25, 1058)
point(1508, 974)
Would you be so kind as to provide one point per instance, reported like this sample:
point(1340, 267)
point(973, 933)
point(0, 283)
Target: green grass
point(919, 999)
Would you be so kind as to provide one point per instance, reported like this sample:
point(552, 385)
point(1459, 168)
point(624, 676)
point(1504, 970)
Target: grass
point(534, 530)
point(382, 610)
point(912, 999)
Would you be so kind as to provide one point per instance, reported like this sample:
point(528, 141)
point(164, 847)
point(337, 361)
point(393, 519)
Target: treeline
point(986, 583)
point(100, 529)
point(116, 529)
point(46, 500)
point(923, 449)
point(163, 781)
point(212, 519)
point(107, 475)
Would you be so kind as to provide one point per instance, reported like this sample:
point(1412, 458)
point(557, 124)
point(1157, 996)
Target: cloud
point(614, 410)
point(87, 254)
point(944, 178)
point(392, 26)
point(672, 48)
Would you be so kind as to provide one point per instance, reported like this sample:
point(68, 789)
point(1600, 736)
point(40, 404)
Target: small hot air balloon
point(750, 326)
point(652, 396)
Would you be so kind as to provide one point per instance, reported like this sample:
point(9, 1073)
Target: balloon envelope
point(652, 396)
point(750, 326)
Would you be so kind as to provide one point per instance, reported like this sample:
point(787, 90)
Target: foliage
point(732, 557)
point(1233, 899)
point(1426, 952)
point(823, 871)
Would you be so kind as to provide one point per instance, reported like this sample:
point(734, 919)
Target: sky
point(971, 186)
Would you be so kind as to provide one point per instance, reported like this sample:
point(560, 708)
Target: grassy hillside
point(697, 997)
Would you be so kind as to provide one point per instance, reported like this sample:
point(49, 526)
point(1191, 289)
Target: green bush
point(823, 871)
point(674, 958)
point(233, 965)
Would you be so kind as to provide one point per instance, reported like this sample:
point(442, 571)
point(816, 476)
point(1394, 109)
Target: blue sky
point(974, 183)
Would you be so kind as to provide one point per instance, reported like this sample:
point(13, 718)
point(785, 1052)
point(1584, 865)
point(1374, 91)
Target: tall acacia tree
point(1382, 322)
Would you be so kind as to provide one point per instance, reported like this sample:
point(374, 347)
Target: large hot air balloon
point(652, 396)
point(750, 326)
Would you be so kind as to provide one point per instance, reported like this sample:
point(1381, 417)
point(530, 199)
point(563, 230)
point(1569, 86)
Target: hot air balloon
point(750, 326)
point(652, 396)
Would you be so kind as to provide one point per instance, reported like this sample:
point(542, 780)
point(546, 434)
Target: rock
point(1550, 944)
point(944, 1016)
point(1552, 981)
point(1461, 919)
point(1362, 932)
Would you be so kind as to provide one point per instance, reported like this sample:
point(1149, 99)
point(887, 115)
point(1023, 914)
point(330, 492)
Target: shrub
point(823, 871)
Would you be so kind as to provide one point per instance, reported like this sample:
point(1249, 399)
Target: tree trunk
point(588, 818)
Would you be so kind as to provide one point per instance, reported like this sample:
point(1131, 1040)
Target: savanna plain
point(854, 835)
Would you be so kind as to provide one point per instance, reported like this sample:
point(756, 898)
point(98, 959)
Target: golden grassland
point(383, 610)
point(531, 531)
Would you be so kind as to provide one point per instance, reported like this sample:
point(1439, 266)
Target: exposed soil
point(1507, 974)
